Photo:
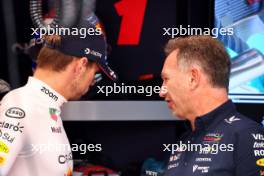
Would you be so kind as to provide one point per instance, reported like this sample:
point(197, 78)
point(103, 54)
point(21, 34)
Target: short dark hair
point(206, 51)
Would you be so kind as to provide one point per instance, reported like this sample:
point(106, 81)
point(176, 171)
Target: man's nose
point(163, 91)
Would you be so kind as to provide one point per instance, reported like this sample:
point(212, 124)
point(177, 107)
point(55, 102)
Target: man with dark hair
point(32, 137)
point(220, 141)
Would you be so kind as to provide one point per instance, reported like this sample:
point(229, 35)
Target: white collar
point(46, 90)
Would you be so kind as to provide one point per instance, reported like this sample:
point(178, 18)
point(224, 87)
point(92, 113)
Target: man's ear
point(194, 77)
point(80, 65)
point(84, 62)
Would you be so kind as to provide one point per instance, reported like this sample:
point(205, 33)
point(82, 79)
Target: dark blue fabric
point(224, 126)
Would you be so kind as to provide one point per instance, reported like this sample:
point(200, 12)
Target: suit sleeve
point(12, 134)
point(249, 152)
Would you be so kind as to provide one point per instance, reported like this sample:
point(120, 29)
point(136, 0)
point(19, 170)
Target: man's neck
point(206, 103)
point(55, 80)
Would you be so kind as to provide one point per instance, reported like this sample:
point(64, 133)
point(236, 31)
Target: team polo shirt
point(33, 141)
point(230, 144)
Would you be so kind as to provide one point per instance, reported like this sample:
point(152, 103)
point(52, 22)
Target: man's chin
point(175, 114)
point(76, 97)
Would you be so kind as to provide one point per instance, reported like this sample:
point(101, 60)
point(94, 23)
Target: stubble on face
point(176, 88)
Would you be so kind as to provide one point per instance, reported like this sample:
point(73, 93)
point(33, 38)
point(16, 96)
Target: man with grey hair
point(220, 141)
